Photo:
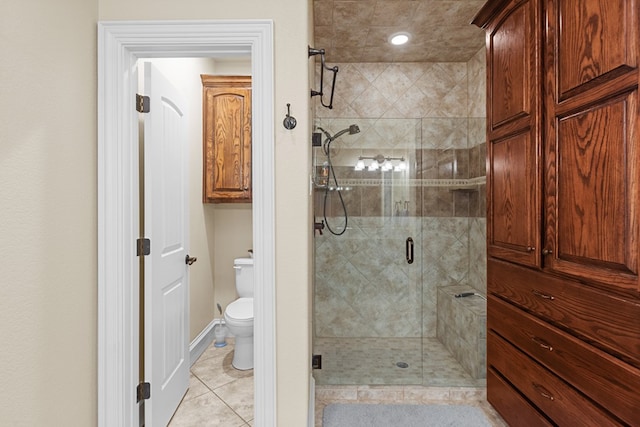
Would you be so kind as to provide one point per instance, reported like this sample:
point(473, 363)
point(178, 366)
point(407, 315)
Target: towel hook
point(289, 122)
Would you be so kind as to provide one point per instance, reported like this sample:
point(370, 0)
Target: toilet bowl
point(238, 315)
point(239, 319)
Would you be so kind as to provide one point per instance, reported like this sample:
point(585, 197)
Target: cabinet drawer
point(603, 378)
point(515, 410)
point(606, 321)
point(552, 396)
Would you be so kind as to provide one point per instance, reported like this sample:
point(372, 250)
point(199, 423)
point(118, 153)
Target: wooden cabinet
point(591, 145)
point(563, 220)
point(513, 179)
point(226, 114)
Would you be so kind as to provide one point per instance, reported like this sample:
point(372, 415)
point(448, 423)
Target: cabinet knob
point(547, 252)
point(530, 249)
point(541, 295)
point(542, 343)
point(543, 391)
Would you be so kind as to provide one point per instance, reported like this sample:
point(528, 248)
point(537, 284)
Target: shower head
point(353, 129)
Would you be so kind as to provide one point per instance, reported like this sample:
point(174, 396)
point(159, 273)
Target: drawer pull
point(541, 295)
point(543, 391)
point(542, 343)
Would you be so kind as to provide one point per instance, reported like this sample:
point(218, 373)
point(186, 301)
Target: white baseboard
point(202, 341)
point(312, 402)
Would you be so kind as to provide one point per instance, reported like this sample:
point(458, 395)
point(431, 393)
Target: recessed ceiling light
point(399, 38)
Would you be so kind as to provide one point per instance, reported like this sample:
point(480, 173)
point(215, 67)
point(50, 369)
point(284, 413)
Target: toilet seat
point(241, 310)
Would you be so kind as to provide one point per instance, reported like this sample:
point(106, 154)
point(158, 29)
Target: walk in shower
point(409, 187)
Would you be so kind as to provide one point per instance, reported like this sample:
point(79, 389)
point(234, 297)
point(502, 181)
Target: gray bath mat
point(369, 415)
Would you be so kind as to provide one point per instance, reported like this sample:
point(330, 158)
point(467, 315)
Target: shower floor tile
point(374, 361)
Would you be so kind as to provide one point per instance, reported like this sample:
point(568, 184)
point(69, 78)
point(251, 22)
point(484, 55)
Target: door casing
point(120, 45)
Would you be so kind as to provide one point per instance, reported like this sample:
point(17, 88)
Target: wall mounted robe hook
point(289, 122)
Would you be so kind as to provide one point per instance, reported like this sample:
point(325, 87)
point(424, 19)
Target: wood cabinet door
point(591, 146)
point(513, 108)
point(512, 71)
point(227, 138)
point(513, 217)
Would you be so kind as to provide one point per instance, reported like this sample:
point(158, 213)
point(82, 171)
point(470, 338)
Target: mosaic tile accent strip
point(449, 183)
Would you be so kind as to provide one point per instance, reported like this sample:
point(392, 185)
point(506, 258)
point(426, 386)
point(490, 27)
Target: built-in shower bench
point(462, 324)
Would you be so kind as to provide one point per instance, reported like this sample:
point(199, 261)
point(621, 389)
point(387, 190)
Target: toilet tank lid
point(243, 261)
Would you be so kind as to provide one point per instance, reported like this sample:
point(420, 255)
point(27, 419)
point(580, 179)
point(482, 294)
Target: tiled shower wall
point(431, 114)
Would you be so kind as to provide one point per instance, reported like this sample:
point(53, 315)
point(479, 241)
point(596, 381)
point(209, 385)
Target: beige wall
point(48, 225)
point(48, 194)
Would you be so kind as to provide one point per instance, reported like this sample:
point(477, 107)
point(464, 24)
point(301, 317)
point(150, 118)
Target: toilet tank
point(244, 277)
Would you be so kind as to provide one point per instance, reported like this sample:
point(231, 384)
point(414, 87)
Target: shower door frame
point(363, 221)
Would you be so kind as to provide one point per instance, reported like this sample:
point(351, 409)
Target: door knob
point(189, 259)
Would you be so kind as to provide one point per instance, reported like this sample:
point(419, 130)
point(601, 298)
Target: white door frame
point(120, 45)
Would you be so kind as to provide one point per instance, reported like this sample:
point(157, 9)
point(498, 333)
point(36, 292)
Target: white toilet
point(239, 315)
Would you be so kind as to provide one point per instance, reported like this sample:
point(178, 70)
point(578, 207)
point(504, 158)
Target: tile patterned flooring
point(373, 361)
point(218, 395)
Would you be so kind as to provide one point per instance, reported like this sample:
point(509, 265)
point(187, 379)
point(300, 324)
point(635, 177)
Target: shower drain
point(402, 365)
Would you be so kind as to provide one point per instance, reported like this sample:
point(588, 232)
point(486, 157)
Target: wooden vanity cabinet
point(563, 211)
point(226, 114)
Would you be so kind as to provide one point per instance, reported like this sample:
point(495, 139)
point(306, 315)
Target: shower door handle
point(409, 250)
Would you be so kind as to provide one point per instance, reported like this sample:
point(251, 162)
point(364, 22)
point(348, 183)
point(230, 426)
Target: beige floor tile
point(319, 410)
point(205, 411)
point(238, 395)
point(216, 371)
point(196, 388)
point(213, 351)
point(381, 394)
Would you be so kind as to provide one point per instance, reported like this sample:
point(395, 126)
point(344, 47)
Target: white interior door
point(166, 225)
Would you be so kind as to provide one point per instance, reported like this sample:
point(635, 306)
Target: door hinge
point(143, 391)
point(143, 247)
point(142, 103)
point(316, 361)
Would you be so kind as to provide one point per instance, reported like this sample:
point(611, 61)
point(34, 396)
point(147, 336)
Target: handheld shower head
point(353, 129)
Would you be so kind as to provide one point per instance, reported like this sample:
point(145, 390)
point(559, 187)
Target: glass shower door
point(368, 320)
